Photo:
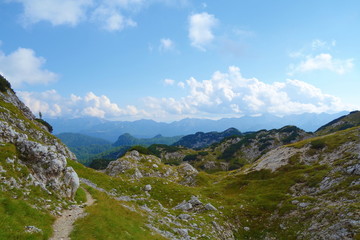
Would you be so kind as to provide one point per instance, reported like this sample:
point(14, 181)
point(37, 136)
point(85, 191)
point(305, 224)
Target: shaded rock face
point(43, 154)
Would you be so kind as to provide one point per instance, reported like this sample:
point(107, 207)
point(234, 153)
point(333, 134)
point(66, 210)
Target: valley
point(283, 183)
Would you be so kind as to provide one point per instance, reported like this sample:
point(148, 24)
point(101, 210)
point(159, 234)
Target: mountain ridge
point(111, 130)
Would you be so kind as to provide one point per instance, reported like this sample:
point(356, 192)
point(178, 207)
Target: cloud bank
point(231, 94)
point(227, 94)
point(51, 104)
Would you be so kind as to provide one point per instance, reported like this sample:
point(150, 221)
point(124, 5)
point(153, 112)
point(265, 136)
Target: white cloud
point(168, 81)
point(56, 12)
point(318, 56)
point(318, 44)
point(323, 61)
point(23, 67)
point(111, 19)
point(200, 29)
point(166, 44)
point(111, 15)
point(52, 104)
point(181, 84)
point(225, 94)
point(230, 94)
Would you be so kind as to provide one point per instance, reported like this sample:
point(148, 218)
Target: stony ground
point(64, 224)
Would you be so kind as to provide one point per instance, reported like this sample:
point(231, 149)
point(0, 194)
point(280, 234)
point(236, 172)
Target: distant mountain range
point(111, 130)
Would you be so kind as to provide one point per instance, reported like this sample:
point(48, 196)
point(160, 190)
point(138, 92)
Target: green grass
point(331, 141)
point(251, 199)
point(108, 219)
point(80, 196)
point(16, 214)
point(162, 191)
point(248, 199)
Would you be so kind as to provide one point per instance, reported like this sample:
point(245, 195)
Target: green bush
point(99, 164)
point(4, 84)
point(317, 144)
point(190, 157)
point(45, 123)
point(203, 153)
point(140, 149)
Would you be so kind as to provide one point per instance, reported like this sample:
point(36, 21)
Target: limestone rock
point(147, 187)
point(210, 207)
point(188, 173)
point(40, 152)
point(184, 206)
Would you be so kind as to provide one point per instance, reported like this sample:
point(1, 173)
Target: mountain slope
point(305, 190)
point(341, 123)
point(80, 140)
point(231, 152)
point(128, 140)
point(201, 140)
point(111, 130)
point(35, 181)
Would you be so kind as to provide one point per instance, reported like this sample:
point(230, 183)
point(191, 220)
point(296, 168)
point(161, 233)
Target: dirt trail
point(64, 224)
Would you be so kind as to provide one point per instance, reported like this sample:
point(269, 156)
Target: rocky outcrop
point(324, 199)
point(43, 154)
point(136, 165)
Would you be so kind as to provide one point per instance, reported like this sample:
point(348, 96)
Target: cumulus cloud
point(168, 81)
point(112, 19)
point(323, 61)
point(320, 44)
point(56, 12)
point(224, 94)
point(200, 29)
point(181, 84)
point(233, 95)
point(51, 104)
point(23, 67)
point(313, 57)
point(166, 44)
point(111, 15)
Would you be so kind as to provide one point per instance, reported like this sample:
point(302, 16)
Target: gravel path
point(64, 224)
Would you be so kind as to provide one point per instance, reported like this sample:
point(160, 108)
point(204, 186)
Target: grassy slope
point(16, 211)
point(21, 204)
point(248, 200)
point(342, 123)
point(108, 219)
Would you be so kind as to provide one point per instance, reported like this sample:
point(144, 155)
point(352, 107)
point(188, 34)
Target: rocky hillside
point(341, 123)
point(202, 140)
point(33, 165)
point(304, 190)
point(293, 186)
point(231, 152)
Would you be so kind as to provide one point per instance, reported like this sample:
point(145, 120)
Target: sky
point(172, 59)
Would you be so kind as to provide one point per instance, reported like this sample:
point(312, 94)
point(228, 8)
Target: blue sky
point(171, 59)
